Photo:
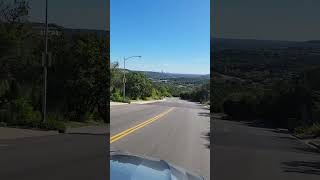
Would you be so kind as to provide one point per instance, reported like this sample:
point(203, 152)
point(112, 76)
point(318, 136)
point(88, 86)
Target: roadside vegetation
point(155, 85)
point(138, 86)
point(77, 78)
point(276, 87)
point(199, 94)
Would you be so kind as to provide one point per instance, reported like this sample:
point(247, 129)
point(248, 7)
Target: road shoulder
point(93, 130)
point(17, 133)
point(135, 102)
point(313, 142)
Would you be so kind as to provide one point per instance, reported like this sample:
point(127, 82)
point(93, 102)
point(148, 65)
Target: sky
point(171, 35)
point(83, 14)
point(295, 20)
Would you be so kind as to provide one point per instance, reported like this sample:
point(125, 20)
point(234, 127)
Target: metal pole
point(124, 78)
point(45, 73)
point(124, 74)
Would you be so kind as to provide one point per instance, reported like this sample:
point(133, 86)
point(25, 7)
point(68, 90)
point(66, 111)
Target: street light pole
point(45, 73)
point(124, 74)
point(124, 79)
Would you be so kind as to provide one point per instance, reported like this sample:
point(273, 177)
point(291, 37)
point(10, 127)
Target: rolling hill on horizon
point(162, 75)
point(225, 43)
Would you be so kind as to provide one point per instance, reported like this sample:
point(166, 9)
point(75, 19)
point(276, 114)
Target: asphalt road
point(178, 136)
point(67, 156)
point(251, 152)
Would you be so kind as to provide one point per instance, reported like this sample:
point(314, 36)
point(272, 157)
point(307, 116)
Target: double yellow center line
point(141, 125)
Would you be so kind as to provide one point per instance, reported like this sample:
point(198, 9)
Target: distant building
point(163, 80)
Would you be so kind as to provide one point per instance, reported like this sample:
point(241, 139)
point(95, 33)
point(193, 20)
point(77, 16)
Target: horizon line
point(283, 40)
point(168, 72)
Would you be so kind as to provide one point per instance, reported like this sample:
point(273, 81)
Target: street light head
point(131, 57)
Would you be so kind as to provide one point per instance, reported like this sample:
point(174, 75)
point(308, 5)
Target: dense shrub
point(116, 96)
point(282, 105)
point(309, 130)
point(138, 86)
point(20, 113)
point(200, 94)
point(240, 106)
point(316, 112)
point(53, 124)
point(156, 94)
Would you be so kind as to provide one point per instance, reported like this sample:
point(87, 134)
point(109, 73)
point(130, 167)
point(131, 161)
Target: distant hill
point(263, 60)
point(99, 33)
point(55, 29)
point(160, 75)
point(222, 43)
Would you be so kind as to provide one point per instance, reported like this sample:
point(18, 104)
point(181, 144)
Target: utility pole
point(45, 72)
point(124, 79)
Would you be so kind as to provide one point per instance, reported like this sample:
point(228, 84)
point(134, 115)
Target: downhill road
point(55, 157)
point(173, 130)
point(242, 150)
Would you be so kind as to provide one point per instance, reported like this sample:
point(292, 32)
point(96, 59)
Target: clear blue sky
point(170, 35)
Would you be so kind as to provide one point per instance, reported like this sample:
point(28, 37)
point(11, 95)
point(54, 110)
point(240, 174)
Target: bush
point(3, 124)
point(22, 114)
point(126, 100)
point(316, 112)
point(53, 124)
point(88, 116)
point(91, 116)
point(240, 106)
point(309, 130)
point(155, 94)
point(200, 94)
point(116, 97)
point(284, 106)
point(5, 116)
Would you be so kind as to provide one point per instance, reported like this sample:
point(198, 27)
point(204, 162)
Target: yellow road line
point(141, 125)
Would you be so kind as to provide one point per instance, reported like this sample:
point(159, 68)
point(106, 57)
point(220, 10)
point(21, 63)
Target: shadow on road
point(206, 136)
point(205, 114)
point(92, 134)
point(307, 149)
point(302, 167)
point(259, 124)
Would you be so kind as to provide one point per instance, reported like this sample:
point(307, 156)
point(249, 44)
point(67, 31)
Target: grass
point(313, 130)
point(147, 99)
point(75, 124)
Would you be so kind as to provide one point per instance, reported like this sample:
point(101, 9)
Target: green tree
point(138, 86)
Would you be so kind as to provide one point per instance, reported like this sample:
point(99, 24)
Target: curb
point(118, 104)
point(137, 102)
point(315, 145)
point(146, 102)
point(282, 130)
point(307, 142)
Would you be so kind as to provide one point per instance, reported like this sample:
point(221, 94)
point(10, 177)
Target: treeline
point(199, 94)
point(138, 86)
point(288, 103)
point(77, 78)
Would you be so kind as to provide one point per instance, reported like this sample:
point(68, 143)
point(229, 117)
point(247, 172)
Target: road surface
point(174, 130)
point(64, 156)
point(248, 151)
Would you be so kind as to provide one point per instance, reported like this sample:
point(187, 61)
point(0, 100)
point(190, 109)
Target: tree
point(138, 86)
